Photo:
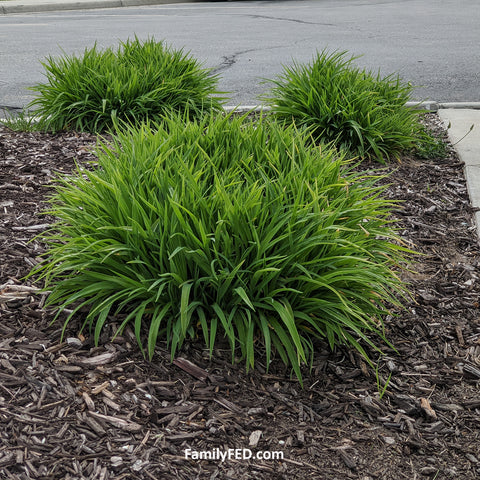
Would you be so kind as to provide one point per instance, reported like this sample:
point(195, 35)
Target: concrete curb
point(435, 106)
point(460, 105)
point(36, 6)
point(431, 106)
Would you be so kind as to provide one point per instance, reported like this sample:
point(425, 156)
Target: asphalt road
point(431, 43)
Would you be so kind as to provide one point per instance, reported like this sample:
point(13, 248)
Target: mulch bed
point(70, 410)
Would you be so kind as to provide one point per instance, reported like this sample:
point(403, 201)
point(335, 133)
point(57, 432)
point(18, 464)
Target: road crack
point(230, 60)
point(295, 20)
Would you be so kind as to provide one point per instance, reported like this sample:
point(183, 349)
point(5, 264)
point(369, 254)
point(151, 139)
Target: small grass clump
point(430, 146)
point(21, 121)
point(360, 112)
point(224, 227)
point(139, 81)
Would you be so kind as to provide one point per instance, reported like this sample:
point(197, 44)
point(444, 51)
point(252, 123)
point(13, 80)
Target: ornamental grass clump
point(140, 80)
point(224, 228)
point(360, 112)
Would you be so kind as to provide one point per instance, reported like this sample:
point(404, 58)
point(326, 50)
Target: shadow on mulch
point(74, 411)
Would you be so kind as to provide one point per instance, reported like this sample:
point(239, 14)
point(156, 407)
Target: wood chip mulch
point(70, 410)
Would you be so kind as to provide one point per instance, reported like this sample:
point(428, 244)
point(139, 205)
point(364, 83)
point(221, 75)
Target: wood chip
point(74, 342)
point(88, 401)
point(94, 425)
point(348, 459)
point(181, 437)
point(101, 359)
point(11, 293)
point(70, 368)
point(179, 409)
point(227, 404)
point(471, 370)
point(256, 411)
point(191, 368)
point(111, 404)
point(427, 408)
point(254, 438)
point(18, 288)
point(32, 228)
point(458, 331)
point(118, 422)
point(100, 388)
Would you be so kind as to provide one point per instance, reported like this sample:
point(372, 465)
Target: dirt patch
point(71, 410)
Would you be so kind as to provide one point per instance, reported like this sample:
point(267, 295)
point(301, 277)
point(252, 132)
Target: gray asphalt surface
point(429, 43)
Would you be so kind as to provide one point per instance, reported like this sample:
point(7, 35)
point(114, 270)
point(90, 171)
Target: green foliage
point(141, 80)
point(361, 112)
point(23, 121)
point(430, 146)
point(222, 226)
point(382, 388)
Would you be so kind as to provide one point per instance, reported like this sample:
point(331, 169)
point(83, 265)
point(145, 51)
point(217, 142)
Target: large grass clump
point(224, 228)
point(140, 80)
point(362, 113)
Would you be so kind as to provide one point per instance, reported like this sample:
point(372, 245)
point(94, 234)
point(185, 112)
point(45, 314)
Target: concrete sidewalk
point(36, 6)
point(467, 145)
